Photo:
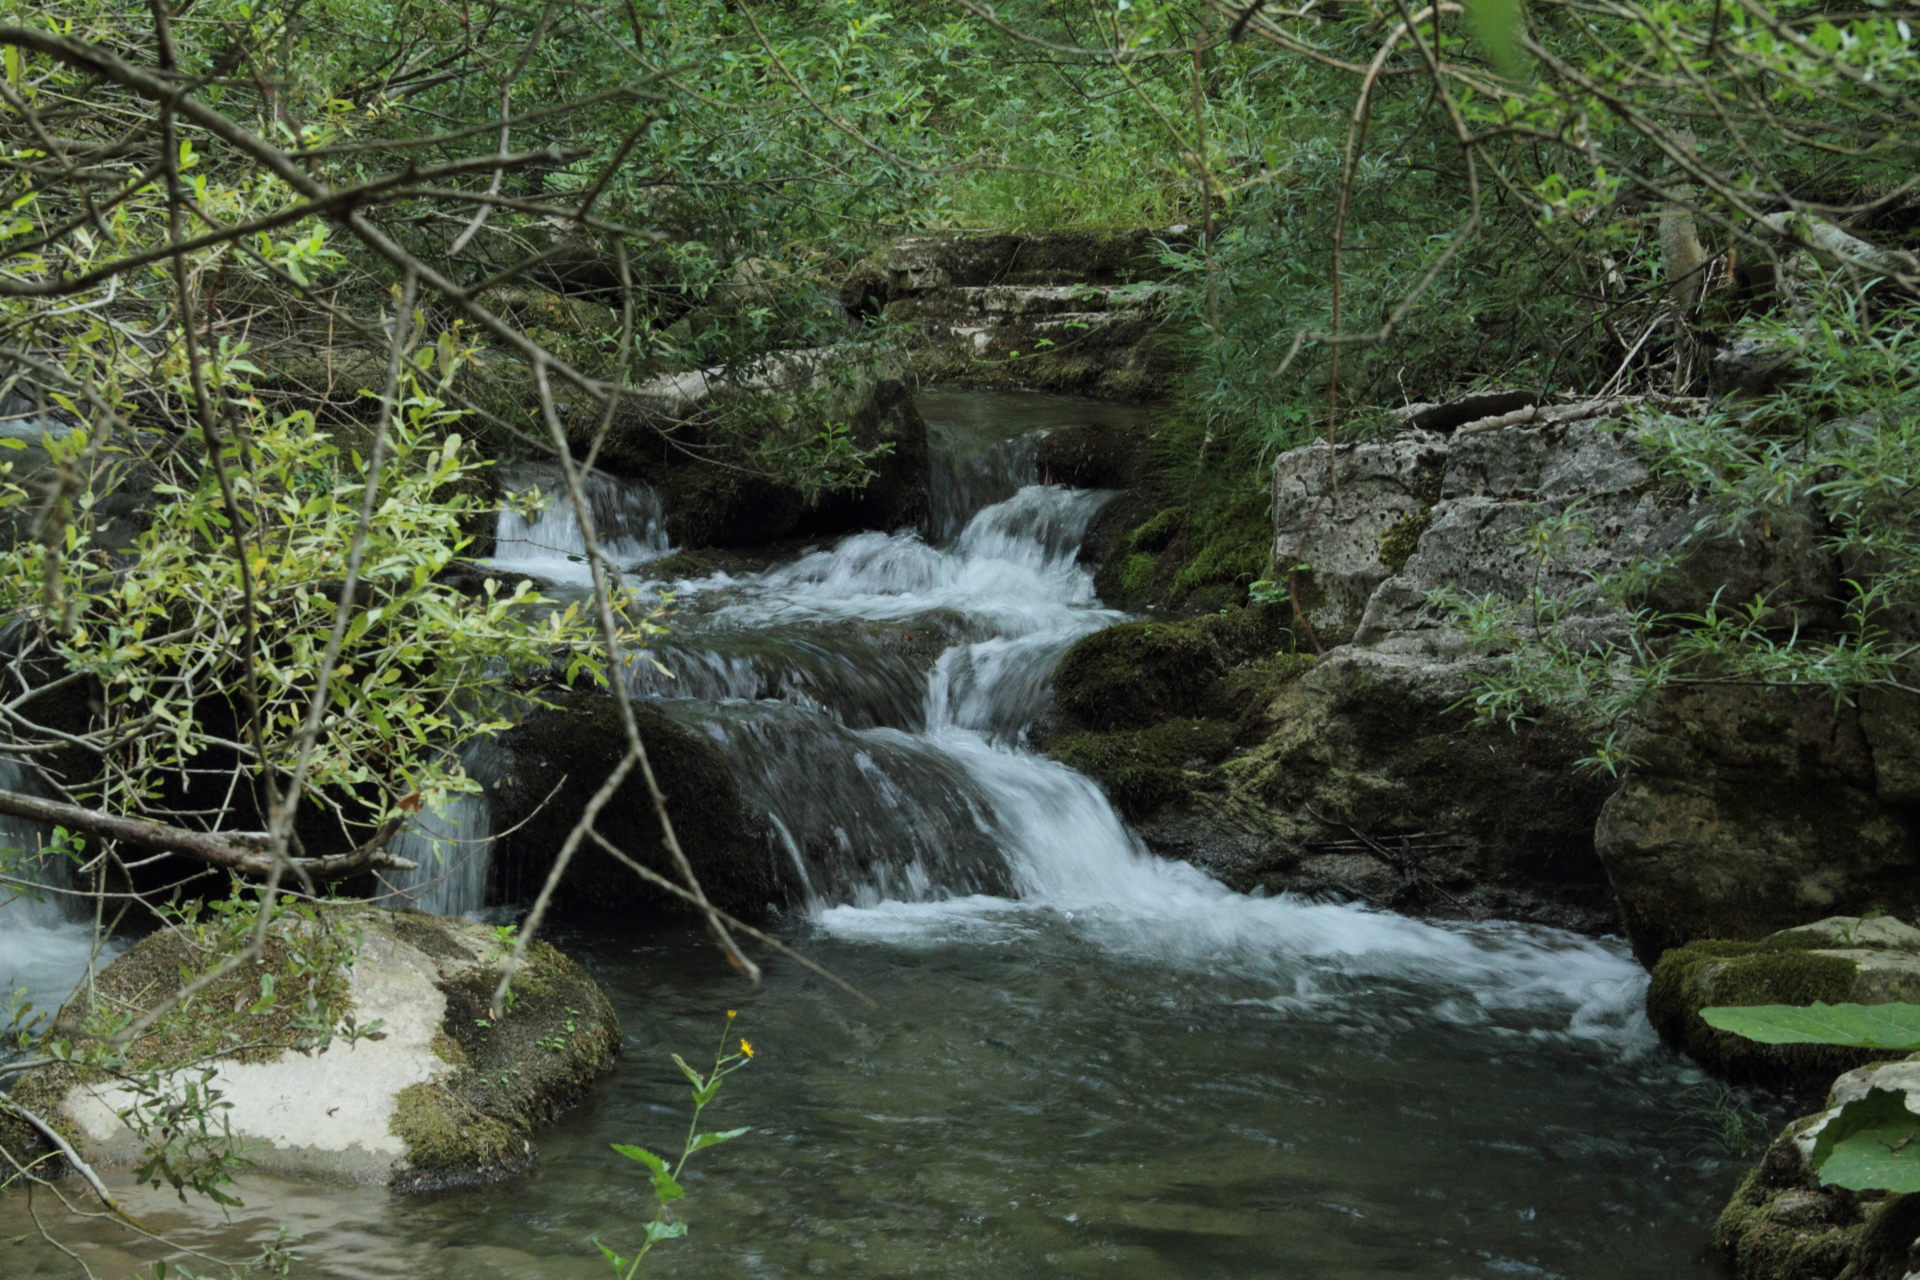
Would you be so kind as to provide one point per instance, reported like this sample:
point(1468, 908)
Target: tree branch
point(234, 851)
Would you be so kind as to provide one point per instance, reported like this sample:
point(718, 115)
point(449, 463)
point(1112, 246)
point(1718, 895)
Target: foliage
point(1865, 1026)
point(1841, 443)
point(664, 1175)
point(1872, 1142)
point(161, 639)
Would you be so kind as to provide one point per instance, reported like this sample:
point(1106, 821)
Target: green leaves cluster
point(1873, 1142)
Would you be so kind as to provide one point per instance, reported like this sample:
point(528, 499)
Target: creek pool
point(1083, 1059)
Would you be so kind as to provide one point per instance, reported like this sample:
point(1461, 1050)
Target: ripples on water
point(1086, 1059)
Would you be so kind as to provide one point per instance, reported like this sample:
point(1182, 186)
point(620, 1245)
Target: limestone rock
point(1751, 810)
point(1783, 1224)
point(1055, 311)
point(1838, 960)
point(437, 1096)
point(1341, 515)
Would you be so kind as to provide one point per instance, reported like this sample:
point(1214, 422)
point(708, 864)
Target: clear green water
point(1029, 1100)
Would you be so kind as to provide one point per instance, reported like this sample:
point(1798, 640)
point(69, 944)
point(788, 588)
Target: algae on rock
point(374, 1061)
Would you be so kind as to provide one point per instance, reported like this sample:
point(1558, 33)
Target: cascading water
point(626, 515)
point(1085, 1059)
point(45, 947)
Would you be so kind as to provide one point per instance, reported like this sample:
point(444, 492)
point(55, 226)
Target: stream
point(1084, 1059)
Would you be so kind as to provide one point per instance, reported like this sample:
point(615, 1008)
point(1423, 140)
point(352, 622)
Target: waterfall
point(46, 941)
point(453, 848)
point(627, 518)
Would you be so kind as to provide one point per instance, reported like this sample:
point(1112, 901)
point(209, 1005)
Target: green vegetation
point(1872, 1143)
point(665, 1175)
point(267, 271)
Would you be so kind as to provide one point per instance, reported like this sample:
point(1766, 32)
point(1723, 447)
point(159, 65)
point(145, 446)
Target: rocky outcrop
point(1071, 311)
point(1783, 1223)
point(1841, 960)
point(1350, 775)
point(358, 1046)
point(696, 437)
point(555, 762)
point(1749, 811)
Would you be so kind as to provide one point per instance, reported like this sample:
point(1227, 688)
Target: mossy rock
point(358, 1047)
point(1136, 674)
point(1142, 769)
point(1826, 961)
point(1193, 556)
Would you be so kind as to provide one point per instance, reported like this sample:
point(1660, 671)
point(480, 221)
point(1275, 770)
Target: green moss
point(1764, 1249)
point(449, 1141)
point(1158, 532)
point(1144, 769)
point(1777, 970)
point(682, 564)
point(1139, 673)
point(1232, 541)
point(1399, 539)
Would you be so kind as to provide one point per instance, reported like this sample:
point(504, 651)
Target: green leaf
point(643, 1155)
point(1864, 1026)
point(666, 1189)
point(665, 1230)
point(704, 1140)
point(1872, 1145)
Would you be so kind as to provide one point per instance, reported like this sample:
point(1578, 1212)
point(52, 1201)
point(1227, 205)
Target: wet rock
point(557, 759)
point(1839, 960)
point(1782, 1224)
point(439, 1095)
point(1750, 810)
point(1094, 456)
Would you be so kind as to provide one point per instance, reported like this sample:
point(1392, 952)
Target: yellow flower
point(746, 1048)
point(731, 1015)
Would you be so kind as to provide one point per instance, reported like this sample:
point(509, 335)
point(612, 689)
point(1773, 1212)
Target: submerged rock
point(357, 1047)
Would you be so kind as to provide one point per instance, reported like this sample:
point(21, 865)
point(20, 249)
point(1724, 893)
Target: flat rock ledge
point(441, 1095)
point(1839, 960)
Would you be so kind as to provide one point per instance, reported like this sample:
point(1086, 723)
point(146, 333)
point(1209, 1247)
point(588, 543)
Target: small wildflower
point(731, 1015)
point(746, 1048)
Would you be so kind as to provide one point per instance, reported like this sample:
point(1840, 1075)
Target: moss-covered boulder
point(357, 1047)
point(1782, 1223)
point(1138, 674)
point(557, 759)
point(1843, 959)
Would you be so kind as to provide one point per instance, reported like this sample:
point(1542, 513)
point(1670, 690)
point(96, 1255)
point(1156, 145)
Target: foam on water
point(628, 521)
point(45, 947)
point(899, 839)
